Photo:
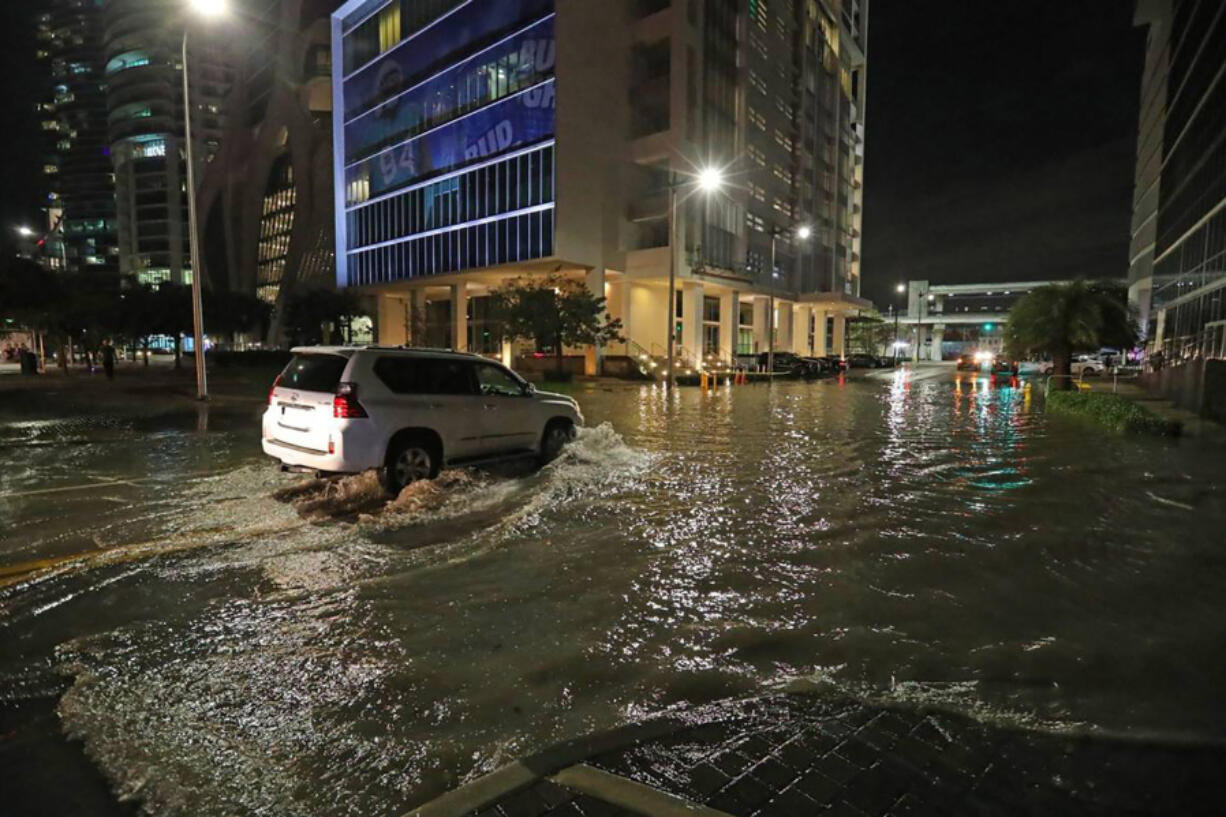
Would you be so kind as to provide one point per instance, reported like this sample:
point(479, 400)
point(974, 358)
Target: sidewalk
point(800, 755)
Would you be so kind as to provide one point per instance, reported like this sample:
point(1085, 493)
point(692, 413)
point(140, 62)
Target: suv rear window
point(425, 375)
point(320, 373)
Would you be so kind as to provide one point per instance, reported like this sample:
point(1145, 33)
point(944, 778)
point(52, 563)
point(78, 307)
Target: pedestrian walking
point(108, 359)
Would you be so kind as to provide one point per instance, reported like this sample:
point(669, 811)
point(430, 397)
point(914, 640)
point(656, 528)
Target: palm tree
point(1059, 319)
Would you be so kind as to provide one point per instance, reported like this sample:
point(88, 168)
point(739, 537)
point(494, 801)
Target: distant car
point(408, 413)
point(1078, 368)
point(862, 361)
point(1005, 368)
point(967, 362)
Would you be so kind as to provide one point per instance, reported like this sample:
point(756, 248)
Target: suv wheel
point(409, 460)
point(557, 434)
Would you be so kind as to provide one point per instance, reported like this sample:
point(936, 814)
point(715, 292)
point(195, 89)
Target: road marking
point(106, 483)
point(12, 575)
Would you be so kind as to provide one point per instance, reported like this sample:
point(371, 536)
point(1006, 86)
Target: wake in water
point(597, 460)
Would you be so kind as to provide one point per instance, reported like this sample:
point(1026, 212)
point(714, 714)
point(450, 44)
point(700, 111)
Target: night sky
point(1001, 136)
point(21, 184)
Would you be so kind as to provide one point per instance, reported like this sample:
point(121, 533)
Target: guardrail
point(1079, 379)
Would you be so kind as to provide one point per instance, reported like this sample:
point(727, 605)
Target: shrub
point(1116, 413)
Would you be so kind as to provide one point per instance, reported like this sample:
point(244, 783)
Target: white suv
point(408, 412)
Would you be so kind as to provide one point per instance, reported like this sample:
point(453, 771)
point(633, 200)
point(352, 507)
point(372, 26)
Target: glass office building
point(1178, 259)
point(480, 140)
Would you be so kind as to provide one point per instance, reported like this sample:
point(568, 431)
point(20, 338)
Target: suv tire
point(557, 434)
point(409, 459)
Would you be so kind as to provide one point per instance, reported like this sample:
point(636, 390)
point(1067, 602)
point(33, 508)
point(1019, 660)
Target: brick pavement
point(798, 755)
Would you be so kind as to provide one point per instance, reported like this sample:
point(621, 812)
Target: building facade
point(266, 200)
point(480, 141)
point(1178, 255)
point(82, 232)
point(142, 46)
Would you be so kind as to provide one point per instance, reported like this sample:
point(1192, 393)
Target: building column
point(417, 317)
point(459, 317)
point(729, 324)
point(392, 316)
point(507, 354)
point(593, 356)
point(783, 325)
point(938, 338)
point(840, 335)
point(619, 308)
point(760, 324)
point(800, 330)
point(691, 321)
point(819, 332)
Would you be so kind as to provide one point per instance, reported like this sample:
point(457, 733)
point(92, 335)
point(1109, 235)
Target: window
point(495, 380)
point(318, 373)
point(389, 27)
point(418, 375)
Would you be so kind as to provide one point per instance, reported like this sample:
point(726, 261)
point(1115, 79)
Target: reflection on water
point(305, 648)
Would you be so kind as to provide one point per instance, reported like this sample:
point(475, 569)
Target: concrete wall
point(1198, 386)
point(593, 75)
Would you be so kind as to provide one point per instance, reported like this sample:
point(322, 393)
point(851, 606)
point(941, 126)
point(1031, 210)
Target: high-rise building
point(80, 199)
point(1177, 275)
point(266, 200)
point(479, 141)
point(144, 81)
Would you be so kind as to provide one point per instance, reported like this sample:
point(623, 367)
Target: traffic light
point(988, 327)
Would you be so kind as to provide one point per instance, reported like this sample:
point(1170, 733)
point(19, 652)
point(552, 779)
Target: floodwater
point(225, 639)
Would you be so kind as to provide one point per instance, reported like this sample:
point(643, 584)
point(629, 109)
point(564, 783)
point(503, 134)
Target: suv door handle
point(490, 406)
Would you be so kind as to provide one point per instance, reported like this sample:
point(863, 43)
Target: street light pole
point(802, 232)
point(709, 180)
point(770, 310)
point(202, 385)
point(900, 289)
point(672, 281)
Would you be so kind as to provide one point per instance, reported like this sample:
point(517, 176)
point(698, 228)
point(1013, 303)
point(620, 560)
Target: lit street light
point(208, 9)
point(709, 180)
point(901, 289)
point(26, 232)
point(802, 232)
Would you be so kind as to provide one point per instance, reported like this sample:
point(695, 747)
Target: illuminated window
point(389, 27)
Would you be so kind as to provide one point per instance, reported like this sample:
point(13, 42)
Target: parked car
point(1088, 367)
point(862, 361)
point(408, 413)
point(792, 364)
point(834, 363)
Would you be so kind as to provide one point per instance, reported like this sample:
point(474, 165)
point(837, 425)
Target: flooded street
point(227, 639)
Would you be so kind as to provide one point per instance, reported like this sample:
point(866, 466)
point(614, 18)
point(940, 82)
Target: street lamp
point(802, 232)
point(25, 232)
point(901, 289)
point(709, 180)
point(207, 9)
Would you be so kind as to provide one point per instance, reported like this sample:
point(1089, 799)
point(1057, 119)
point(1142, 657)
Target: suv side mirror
point(529, 390)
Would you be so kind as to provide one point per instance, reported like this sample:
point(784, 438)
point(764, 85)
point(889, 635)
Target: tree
point(233, 313)
point(868, 333)
point(30, 296)
point(313, 316)
point(1060, 319)
point(555, 312)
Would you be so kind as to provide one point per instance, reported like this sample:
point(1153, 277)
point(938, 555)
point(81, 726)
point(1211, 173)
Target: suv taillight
point(273, 390)
point(345, 405)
